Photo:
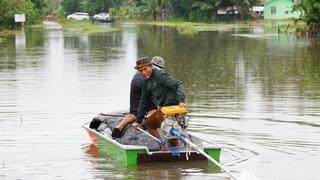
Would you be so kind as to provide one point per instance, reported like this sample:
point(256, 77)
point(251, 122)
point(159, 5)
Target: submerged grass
point(87, 27)
point(183, 27)
point(81, 26)
point(282, 26)
point(18, 29)
point(193, 27)
point(7, 32)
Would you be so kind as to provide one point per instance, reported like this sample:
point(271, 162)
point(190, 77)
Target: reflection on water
point(256, 95)
point(20, 41)
point(108, 166)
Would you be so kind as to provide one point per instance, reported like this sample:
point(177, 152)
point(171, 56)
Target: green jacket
point(164, 88)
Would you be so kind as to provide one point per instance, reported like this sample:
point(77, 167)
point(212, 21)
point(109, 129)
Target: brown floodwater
point(252, 92)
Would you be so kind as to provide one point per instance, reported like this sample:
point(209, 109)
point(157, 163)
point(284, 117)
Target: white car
point(79, 16)
point(102, 17)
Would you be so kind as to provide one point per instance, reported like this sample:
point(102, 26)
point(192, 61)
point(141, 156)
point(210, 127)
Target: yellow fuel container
point(173, 110)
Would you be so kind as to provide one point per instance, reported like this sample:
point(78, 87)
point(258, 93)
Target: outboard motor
point(174, 127)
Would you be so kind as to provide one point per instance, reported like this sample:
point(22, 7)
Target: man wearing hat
point(158, 85)
point(157, 62)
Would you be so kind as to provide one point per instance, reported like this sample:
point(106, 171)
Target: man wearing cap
point(158, 84)
point(135, 95)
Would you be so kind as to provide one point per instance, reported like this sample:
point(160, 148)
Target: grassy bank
point(183, 27)
point(284, 26)
point(81, 26)
point(85, 26)
point(7, 32)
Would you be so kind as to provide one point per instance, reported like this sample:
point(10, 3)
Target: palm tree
point(152, 7)
point(242, 6)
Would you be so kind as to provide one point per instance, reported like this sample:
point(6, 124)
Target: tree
point(310, 12)
point(39, 5)
point(203, 10)
point(153, 8)
point(52, 7)
point(9, 8)
point(195, 10)
point(71, 6)
point(243, 6)
point(97, 6)
point(89, 6)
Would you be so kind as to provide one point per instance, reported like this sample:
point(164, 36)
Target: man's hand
point(183, 105)
point(136, 125)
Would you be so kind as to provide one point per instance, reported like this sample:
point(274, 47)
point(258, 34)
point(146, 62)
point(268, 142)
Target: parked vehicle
point(82, 16)
point(102, 17)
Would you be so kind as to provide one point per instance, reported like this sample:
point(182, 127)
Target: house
point(227, 10)
point(228, 13)
point(279, 9)
point(258, 11)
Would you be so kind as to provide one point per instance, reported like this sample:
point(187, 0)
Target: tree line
point(185, 10)
point(32, 9)
point(310, 10)
point(190, 10)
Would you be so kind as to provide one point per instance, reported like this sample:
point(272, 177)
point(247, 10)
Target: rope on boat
point(186, 140)
point(188, 151)
point(196, 147)
point(145, 132)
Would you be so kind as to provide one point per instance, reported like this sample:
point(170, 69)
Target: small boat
point(133, 154)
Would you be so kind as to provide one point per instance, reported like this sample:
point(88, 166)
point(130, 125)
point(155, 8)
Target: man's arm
point(171, 83)
point(143, 104)
point(135, 95)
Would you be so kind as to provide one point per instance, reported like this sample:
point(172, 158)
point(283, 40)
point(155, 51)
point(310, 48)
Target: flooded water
point(255, 94)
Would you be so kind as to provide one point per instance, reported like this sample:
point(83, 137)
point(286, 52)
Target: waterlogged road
point(255, 94)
